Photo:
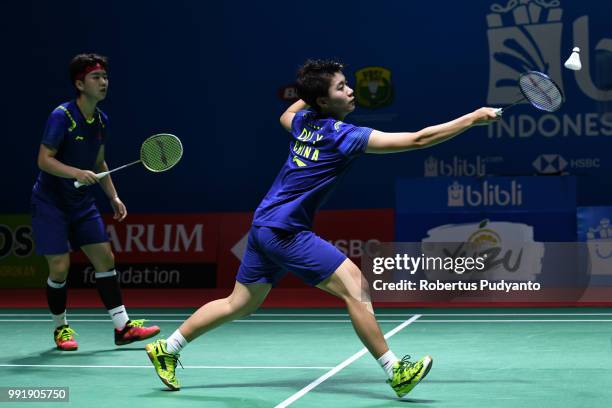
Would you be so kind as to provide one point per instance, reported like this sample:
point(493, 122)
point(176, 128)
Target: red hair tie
point(88, 69)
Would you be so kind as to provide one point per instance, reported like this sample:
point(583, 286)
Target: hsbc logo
point(550, 164)
point(557, 164)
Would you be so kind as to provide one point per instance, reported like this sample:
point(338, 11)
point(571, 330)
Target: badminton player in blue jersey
point(64, 217)
point(321, 150)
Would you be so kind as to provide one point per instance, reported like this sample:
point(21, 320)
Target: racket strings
point(541, 91)
point(162, 155)
point(161, 152)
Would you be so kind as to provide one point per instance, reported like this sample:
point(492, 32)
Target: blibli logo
point(488, 195)
point(456, 167)
point(456, 196)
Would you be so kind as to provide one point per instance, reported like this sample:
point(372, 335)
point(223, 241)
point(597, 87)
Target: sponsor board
point(595, 228)
point(468, 194)
point(546, 204)
point(509, 248)
point(526, 36)
point(556, 164)
point(184, 238)
point(19, 265)
point(459, 166)
point(150, 275)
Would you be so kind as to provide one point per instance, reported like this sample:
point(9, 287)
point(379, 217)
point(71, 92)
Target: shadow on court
point(385, 398)
point(54, 355)
point(501, 381)
point(417, 401)
point(224, 401)
point(385, 393)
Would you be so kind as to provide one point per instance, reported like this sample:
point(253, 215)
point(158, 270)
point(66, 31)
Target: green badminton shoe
point(164, 363)
point(406, 374)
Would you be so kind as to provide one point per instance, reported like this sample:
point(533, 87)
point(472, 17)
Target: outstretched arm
point(382, 142)
point(287, 117)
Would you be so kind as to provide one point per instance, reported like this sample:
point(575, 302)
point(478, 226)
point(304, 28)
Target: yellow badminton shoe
point(164, 363)
point(406, 374)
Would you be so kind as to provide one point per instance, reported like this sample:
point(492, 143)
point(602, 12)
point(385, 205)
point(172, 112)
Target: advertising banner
point(19, 265)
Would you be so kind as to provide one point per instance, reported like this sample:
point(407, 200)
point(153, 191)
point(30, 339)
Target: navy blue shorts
point(57, 231)
point(272, 252)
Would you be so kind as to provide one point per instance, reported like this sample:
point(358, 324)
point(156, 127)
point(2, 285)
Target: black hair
point(314, 80)
point(80, 62)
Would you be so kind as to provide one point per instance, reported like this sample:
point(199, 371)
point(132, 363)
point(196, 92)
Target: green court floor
point(311, 358)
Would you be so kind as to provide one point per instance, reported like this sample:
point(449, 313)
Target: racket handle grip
point(77, 184)
point(499, 111)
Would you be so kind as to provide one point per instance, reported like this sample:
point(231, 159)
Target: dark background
point(210, 72)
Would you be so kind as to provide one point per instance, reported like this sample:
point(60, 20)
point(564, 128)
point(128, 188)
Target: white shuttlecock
point(573, 62)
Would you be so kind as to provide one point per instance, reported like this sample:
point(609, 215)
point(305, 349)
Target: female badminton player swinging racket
point(322, 148)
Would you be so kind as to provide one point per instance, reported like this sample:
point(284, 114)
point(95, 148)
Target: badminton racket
point(158, 153)
point(541, 92)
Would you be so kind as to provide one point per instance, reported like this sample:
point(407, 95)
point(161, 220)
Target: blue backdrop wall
point(212, 73)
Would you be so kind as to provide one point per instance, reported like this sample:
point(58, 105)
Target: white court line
point(410, 314)
point(516, 321)
point(339, 367)
point(181, 320)
point(150, 366)
point(323, 314)
point(339, 321)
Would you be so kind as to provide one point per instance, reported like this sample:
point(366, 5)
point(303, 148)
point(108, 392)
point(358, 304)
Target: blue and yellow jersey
point(320, 152)
point(77, 142)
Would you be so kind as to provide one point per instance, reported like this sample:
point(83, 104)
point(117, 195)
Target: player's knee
point(361, 287)
point(369, 307)
point(107, 261)
point(246, 312)
point(58, 268)
point(248, 309)
point(356, 275)
point(58, 276)
point(110, 258)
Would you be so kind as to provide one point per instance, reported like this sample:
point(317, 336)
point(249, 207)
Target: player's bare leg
point(348, 284)
point(244, 300)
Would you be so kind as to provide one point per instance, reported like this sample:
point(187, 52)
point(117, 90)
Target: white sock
point(59, 319)
point(175, 343)
point(55, 285)
point(119, 316)
point(386, 361)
